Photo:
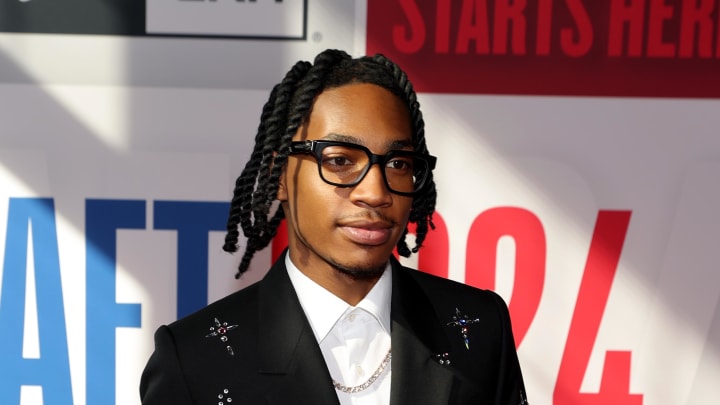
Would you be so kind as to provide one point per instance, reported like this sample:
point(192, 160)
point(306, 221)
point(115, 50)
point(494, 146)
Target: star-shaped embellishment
point(221, 329)
point(463, 321)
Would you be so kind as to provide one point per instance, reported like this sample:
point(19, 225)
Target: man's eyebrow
point(342, 138)
point(400, 144)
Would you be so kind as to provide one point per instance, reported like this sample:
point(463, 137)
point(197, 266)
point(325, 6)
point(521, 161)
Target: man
point(337, 319)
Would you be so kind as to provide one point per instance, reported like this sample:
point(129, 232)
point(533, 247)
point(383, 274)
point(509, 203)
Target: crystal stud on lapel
point(463, 321)
point(221, 329)
point(442, 358)
point(523, 398)
point(223, 397)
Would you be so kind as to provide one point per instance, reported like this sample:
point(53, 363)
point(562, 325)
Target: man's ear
point(282, 193)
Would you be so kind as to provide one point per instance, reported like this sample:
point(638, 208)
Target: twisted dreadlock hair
point(287, 108)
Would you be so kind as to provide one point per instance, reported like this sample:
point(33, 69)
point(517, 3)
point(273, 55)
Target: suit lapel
point(288, 349)
point(417, 337)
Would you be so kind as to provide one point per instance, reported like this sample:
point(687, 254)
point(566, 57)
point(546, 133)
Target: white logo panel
point(241, 18)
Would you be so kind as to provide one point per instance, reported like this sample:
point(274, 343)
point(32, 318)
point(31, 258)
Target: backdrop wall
point(578, 177)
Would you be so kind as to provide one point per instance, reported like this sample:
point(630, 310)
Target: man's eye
point(399, 164)
point(337, 161)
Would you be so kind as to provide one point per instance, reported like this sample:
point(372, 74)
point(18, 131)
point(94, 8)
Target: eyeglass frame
point(315, 148)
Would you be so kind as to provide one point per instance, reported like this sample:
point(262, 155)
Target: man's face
point(351, 229)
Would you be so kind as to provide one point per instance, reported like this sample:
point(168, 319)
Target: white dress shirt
point(354, 340)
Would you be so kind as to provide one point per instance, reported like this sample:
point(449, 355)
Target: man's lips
point(367, 232)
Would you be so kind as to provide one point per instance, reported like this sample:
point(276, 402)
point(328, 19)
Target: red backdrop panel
point(635, 48)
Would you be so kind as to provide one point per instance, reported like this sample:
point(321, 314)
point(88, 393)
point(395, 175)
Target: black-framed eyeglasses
point(345, 164)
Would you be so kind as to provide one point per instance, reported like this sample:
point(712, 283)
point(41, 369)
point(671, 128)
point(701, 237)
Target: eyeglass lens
point(345, 165)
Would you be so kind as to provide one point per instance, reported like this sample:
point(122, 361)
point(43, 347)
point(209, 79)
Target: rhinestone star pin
point(221, 329)
point(463, 321)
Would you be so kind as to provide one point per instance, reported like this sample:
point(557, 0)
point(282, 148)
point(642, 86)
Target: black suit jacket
point(262, 350)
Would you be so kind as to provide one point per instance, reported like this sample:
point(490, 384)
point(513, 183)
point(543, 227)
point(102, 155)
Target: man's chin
point(361, 272)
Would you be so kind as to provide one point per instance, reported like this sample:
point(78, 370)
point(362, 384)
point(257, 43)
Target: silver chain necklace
point(369, 382)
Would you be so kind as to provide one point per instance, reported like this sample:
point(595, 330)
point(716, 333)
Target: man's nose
point(372, 189)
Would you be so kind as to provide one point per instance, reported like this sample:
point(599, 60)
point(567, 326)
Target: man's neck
point(348, 287)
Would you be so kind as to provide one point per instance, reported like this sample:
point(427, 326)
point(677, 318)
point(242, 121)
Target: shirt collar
point(323, 309)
